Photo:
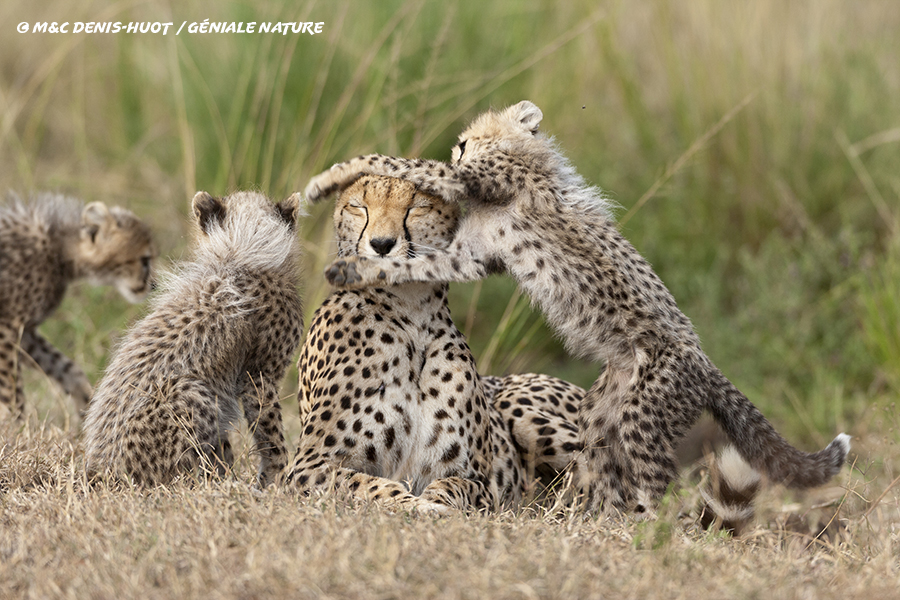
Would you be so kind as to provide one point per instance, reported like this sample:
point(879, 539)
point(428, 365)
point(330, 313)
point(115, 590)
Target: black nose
point(382, 245)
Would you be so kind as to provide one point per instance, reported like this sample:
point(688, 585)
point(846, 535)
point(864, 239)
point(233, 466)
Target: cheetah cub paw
point(335, 179)
point(355, 272)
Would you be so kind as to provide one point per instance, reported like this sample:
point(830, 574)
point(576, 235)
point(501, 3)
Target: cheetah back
point(216, 344)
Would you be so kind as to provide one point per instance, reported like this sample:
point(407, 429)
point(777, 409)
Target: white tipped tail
point(843, 440)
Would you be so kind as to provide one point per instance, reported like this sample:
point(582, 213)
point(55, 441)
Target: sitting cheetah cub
point(218, 339)
point(530, 214)
point(392, 405)
point(45, 244)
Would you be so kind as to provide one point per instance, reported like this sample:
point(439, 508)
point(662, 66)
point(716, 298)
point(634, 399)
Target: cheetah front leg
point(430, 176)
point(309, 472)
point(12, 394)
point(263, 413)
point(59, 367)
point(459, 493)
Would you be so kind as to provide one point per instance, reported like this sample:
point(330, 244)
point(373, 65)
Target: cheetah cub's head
point(508, 129)
point(116, 248)
point(248, 228)
point(383, 216)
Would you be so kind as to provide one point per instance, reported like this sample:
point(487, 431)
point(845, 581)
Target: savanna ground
point(753, 148)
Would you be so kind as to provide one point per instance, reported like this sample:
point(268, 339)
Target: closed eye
point(356, 209)
point(418, 211)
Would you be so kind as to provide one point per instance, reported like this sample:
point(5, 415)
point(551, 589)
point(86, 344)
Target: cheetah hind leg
point(630, 448)
point(647, 438)
point(209, 441)
point(263, 413)
point(651, 459)
point(181, 432)
point(606, 485)
point(539, 412)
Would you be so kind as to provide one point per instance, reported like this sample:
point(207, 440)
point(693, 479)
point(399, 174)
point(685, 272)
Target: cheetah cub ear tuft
point(208, 210)
point(94, 216)
point(291, 208)
point(526, 114)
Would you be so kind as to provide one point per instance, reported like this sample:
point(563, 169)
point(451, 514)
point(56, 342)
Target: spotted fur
point(216, 344)
point(530, 214)
point(393, 407)
point(46, 243)
point(535, 414)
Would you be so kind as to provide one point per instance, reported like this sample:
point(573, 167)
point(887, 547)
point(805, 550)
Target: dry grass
point(227, 540)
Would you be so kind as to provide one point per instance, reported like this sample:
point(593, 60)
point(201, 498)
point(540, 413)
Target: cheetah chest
point(395, 394)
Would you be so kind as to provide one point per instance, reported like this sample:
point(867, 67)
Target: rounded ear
point(291, 208)
point(207, 209)
point(526, 114)
point(93, 217)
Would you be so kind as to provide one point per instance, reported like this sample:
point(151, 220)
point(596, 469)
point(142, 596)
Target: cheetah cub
point(530, 214)
point(217, 340)
point(392, 405)
point(46, 243)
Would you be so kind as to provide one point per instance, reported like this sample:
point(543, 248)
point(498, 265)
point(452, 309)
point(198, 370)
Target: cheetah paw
point(334, 180)
point(432, 509)
point(319, 188)
point(343, 273)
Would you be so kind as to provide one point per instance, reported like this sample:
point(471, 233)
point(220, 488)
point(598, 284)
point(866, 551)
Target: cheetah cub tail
point(733, 488)
point(765, 449)
point(735, 483)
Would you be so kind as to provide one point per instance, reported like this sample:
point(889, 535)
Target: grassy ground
point(224, 540)
point(753, 150)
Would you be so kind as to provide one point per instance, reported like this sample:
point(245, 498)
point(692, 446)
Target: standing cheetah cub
point(217, 340)
point(45, 244)
point(532, 215)
point(389, 392)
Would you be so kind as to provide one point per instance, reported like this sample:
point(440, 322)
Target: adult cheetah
point(46, 243)
point(393, 407)
point(530, 214)
point(217, 341)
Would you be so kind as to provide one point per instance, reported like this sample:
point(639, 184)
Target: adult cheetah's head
point(383, 216)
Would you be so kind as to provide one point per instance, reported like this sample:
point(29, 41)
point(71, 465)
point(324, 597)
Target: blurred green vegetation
point(768, 133)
